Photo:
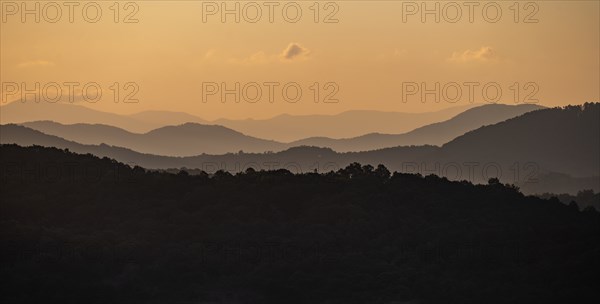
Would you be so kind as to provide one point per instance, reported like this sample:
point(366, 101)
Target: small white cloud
point(485, 53)
point(294, 51)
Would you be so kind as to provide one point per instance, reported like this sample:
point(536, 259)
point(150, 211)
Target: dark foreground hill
point(80, 229)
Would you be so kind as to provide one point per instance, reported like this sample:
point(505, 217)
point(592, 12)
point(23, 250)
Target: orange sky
point(366, 56)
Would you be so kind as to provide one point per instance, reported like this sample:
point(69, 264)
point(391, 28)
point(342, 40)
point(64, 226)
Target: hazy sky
point(366, 56)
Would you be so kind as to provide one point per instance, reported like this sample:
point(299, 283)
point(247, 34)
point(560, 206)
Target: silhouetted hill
point(563, 140)
point(189, 139)
point(183, 140)
point(77, 228)
point(25, 136)
point(28, 137)
point(433, 134)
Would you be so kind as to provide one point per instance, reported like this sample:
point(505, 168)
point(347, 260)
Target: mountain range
point(193, 139)
point(521, 150)
point(282, 128)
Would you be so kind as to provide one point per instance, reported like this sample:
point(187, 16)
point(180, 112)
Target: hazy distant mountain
point(433, 134)
point(20, 112)
point(183, 140)
point(194, 139)
point(190, 139)
point(283, 128)
point(25, 136)
point(90, 134)
point(523, 149)
point(165, 118)
point(287, 128)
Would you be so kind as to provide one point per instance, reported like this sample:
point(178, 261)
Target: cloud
point(294, 50)
point(485, 53)
point(35, 63)
point(256, 58)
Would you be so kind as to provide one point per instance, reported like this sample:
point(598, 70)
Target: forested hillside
point(77, 227)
